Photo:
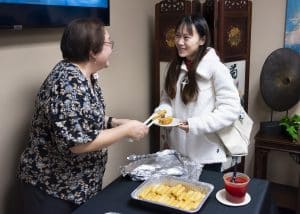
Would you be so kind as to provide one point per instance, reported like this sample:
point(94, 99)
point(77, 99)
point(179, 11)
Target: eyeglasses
point(111, 44)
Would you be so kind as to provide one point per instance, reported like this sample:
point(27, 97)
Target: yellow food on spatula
point(165, 120)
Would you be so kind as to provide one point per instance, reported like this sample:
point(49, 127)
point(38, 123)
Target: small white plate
point(175, 122)
point(222, 199)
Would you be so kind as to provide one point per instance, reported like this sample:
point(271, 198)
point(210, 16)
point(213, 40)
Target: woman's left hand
point(184, 126)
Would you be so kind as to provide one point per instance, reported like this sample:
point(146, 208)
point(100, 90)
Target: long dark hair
point(190, 91)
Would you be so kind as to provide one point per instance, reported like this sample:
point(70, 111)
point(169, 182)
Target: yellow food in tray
point(165, 120)
point(177, 196)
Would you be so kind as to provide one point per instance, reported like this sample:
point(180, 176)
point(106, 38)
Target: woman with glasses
point(199, 90)
point(64, 161)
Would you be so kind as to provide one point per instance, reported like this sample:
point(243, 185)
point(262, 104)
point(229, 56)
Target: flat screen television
point(18, 14)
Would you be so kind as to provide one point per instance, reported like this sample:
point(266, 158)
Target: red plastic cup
point(236, 190)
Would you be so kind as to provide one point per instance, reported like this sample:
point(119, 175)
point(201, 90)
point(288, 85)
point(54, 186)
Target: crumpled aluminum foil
point(164, 163)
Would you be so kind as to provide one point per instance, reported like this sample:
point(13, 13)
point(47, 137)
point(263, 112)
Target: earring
point(93, 59)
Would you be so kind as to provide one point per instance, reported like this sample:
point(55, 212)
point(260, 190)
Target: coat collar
point(204, 67)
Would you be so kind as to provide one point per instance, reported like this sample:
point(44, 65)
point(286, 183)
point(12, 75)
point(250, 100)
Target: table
point(116, 198)
point(264, 143)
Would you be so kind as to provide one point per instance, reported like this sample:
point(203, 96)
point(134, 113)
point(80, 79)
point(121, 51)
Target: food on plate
point(159, 114)
point(178, 196)
point(165, 120)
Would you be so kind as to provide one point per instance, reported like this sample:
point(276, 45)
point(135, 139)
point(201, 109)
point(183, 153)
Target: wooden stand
point(264, 143)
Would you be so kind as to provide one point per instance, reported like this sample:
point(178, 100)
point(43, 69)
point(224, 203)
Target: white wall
point(27, 57)
point(126, 82)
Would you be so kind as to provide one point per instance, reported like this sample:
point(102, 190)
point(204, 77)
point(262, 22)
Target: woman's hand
point(184, 126)
point(133, 129)
point(136, 129)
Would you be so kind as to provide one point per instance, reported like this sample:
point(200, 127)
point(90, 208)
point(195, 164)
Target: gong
point(280, 79)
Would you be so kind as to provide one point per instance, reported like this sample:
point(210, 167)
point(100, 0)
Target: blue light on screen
point(76, 3)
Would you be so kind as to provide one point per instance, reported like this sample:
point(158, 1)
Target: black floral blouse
point(67, 113)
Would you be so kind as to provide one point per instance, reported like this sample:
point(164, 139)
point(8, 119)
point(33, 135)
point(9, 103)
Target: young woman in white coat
point(200, 92)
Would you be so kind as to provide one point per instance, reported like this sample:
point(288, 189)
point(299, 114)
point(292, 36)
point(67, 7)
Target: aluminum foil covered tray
point(164, 163)
point(174, 193)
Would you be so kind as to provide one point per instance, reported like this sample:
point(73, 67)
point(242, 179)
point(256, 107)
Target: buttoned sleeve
point(75, 117)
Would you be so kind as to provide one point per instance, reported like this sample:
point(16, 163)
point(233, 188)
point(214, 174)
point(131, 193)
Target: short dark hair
point(80, 37)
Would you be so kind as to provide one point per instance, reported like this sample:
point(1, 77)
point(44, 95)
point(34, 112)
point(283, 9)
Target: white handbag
point(236, 137)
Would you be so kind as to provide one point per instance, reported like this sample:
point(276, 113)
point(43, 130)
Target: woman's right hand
point(136, 129)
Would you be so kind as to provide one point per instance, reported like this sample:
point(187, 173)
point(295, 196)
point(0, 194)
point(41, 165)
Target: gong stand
point(279, 84)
